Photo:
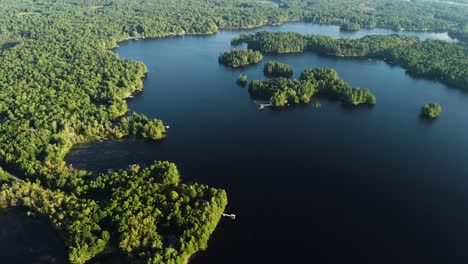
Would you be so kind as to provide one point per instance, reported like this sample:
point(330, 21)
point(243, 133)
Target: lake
point(308, 185)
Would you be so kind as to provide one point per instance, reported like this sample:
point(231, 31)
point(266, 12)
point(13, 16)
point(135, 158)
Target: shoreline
point(183, 34)
point(187, 259)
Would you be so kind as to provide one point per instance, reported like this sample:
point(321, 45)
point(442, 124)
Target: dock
point(262, 106)
point(232, 216)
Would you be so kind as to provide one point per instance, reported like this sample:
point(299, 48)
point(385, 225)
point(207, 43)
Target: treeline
point(323, 82)
point(446, 62)
point(414, 15)
point(273, 42)
point(110, 21)
point(149, 216)
point(239, 58)
point(461, 35)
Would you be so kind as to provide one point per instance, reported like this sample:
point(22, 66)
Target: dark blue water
point(25, 239)
point(309, 185)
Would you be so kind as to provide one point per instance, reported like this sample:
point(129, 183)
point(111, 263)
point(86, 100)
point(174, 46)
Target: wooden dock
point(232, 216)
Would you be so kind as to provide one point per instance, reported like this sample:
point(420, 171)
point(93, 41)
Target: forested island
point(239, 58)
point(431, 110)
point(152, 217)
point(61, 85)
point(242, 80)
point(446, 62)
point(273, 69)
point(323, 82)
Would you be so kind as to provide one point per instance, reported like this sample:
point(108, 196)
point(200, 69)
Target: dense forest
point(4, 176)
point(150, 215)
point(62, 85)
point(414, 15)
point(323, 82)
point(239, 58)
point(434, 59)
point(273, 69)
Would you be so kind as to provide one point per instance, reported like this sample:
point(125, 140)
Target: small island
point(274, 69)
point(431, 110)
point(242, 80)
point(324, 82)
point(236, 58)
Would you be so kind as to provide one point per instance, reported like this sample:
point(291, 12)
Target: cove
point(308, 185)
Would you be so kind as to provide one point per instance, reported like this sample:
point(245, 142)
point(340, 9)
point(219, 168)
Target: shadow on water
point(26, 239)
point(426, 121)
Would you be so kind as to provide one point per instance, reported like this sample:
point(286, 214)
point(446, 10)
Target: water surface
point(25, 239)
point(309, 185)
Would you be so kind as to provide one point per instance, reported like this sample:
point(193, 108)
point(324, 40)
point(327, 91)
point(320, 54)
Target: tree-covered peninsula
point(239, 58)
point(323, 82)
point(434, 59)
point(144, 213)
